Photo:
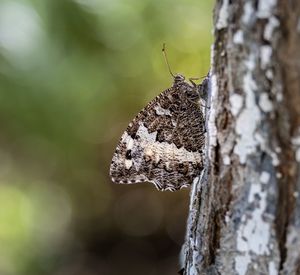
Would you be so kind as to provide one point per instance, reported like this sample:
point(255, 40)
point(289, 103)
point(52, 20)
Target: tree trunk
point(245, 209)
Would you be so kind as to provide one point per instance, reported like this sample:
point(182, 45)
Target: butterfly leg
point(191, 79)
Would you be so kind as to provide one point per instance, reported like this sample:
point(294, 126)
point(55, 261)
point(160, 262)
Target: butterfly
point(164, 143)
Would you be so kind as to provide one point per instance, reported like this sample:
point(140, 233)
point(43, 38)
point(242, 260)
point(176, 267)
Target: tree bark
point(244, 215)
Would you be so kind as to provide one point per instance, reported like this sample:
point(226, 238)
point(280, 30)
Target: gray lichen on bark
point(245, 211)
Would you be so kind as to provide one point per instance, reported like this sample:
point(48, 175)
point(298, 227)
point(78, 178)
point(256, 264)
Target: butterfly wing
point(164, 142)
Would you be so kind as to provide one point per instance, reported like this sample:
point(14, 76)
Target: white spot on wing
point(144, 135)
point(128, 163)
point(127, 139)
point(130, 144)
point(161, 111)
point(163, 150)
point(148, 152)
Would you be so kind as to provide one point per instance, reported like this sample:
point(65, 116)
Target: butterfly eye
point(128, 154)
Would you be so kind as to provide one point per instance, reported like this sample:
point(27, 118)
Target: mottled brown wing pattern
point(164, 143)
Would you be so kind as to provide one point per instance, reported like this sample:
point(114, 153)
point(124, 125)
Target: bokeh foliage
point(73, 73)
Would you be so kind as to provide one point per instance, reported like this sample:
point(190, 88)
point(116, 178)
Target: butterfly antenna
point(166, 59)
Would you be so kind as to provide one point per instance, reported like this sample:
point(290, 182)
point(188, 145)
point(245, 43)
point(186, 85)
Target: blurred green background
point(72, 76)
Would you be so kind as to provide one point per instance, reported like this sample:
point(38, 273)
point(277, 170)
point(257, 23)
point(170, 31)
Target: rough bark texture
point(245, 208)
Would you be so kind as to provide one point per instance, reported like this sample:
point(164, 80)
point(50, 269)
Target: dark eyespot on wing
point(128, 154)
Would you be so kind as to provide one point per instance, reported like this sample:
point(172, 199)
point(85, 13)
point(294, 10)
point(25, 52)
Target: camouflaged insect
point(164, 143)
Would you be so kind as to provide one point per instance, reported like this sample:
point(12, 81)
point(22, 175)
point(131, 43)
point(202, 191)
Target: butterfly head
point(179, 78)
